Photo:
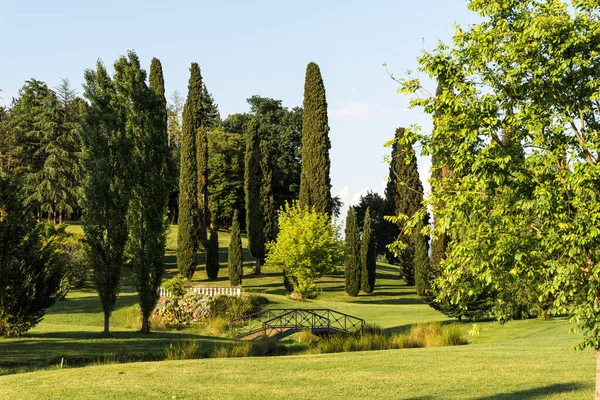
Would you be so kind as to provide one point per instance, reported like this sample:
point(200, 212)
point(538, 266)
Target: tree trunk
point(106, 320)
point(597, 374)
point(257, 267)
point(145, 324)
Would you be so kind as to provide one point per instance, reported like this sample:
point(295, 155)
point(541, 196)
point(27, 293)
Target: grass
point(524, 359)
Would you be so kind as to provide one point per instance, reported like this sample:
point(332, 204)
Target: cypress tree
point(235, 261)
point(157, 81)
point(253, 178)
point(187, 237)
point(202, 157)
point(212, 255)
point(150, 182)
point(352, 254)
point(368, 256)
point(107, 185)
point(315, 183)
point(266, 193)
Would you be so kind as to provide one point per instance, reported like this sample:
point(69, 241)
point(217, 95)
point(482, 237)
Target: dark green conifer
point(368, 256)
point(266, 193)
point(253, 178)
point(187, 238)
point(315, 183)
point(212, 255)
point(352, 254)
point(235, 260)
point(157, 80)
point(202, 158)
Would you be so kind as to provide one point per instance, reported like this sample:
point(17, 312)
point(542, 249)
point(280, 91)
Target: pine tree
point(368, 256)
point(352, 254)
point(150, 180)
point(235, 262)
point(253, 178)
point(212, 255)
point(404, 195)
point(187, 238)
point(315, 183)
point(107, 153)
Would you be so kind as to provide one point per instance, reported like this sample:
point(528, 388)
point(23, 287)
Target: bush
point(235, 307)
point(192, 308)
point(183, 351)
point(307, 337)
point(216, 325)
point(260, 348)
point(176, 286)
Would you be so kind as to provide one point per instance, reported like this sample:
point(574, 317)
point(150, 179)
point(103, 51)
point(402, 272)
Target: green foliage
point(212, 255)
point(192, 308)
point(184, 351)
point(375, 203)
point(352, 271)
point(176, 286)
point(368, 256)
point(235, 261)
point(231, 307)
point(263, 347)
point(157, 80)
point(107, 156)
point(188, 221)
point(307, 245)
point(253, 180)
point(315, 183)
point(30, 274)
point(267, 200)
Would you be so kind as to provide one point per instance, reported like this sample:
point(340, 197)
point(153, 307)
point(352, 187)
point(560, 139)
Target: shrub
point(176, 286)
point(451, 335)
point(191, 308)
point(260, 348)
point(235, 307)
point(307, 337)
point(183, 351)
point(216, 325)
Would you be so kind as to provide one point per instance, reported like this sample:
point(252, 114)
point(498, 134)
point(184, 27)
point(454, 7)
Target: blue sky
point(246, 48)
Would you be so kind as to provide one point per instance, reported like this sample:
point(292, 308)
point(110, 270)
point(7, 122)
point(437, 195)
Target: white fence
point(232, 291)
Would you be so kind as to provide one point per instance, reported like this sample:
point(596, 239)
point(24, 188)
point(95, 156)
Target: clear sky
point(246, 48)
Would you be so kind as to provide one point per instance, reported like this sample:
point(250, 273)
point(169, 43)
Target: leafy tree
point(226, 175)
point(253, 179)
point(307, 247)
point(375, 204)
point(315, 183)
point(352, 255)
point(529, 72)
point(8, 142)
point(188, 220)
point(30, 275)
point(368, 256)
point(107, 155)
point(150, 177)
point(235, 262)
point(212, 255)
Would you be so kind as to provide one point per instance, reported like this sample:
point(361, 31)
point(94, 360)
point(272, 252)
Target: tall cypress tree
point(267, 200)
point(315, 183)
point(202, 157)
point(187, 237)
point(255, 219)
point(352, 254)
point(235, 261)
point(404, 195)
point(107, 185)
point(368, 256)
point(157, 80)
point(150, 181)
point(212, 255)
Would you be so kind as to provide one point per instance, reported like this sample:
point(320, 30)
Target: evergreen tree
point(212, 255)
point(352, 254)
point(404, 194)
point(267, 201)
point(255, 219)
point(235, 261)
point(202, 158)
point(368, 256)
point(376, 204)
point(315, 183)
point(150, 180)
point(107, 153)
point(187, 238)
point(157, 80)
point(29, 277)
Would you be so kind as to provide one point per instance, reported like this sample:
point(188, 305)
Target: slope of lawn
point(523, 359)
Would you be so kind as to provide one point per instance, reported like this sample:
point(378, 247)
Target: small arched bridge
point(282, 322)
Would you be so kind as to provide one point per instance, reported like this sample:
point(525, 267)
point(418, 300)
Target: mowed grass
point(524, 359)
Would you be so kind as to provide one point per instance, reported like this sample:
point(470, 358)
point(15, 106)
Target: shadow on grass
point(536, 393)
point(89, 304)
point(394, 301)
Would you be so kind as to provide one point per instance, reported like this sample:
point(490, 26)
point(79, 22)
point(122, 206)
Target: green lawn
point(523, 359)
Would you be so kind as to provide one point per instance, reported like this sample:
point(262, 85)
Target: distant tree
point(255, 219)
point(212, 255)
point(8, 142)
point(267, 200)
point(315, 183)
point(368, 257)
point(226, 175)
point(29, 276)
point(174, 126)
point(188, 220)
point(151, 178)
point(375, 203)
point(107, 155)
point(307, 247)
point(235, 262)
point(352, 254)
